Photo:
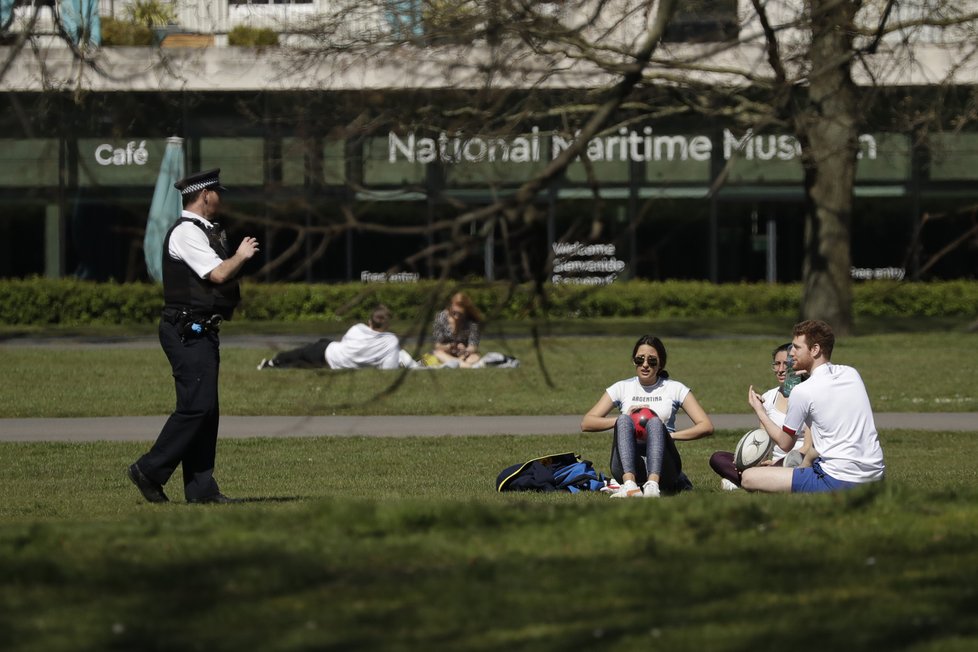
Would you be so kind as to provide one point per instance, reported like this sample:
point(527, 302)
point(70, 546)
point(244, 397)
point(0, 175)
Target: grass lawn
point(379, 544)
point(403, 544)
point(929, 372)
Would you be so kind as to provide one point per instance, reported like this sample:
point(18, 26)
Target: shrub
point(120, 32)
point(151, 13)
point(246, 36)
point(41, 301)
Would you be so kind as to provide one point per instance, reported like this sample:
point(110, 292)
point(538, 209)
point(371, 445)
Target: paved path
point(146, 428)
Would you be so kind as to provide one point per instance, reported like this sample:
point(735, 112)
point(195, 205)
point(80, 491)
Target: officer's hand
point(248, 248)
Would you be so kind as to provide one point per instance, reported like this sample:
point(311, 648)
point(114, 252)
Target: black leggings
point(310, 355)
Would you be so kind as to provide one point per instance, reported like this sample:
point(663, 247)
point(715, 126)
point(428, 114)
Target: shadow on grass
point(260, 499)
point(886, 570)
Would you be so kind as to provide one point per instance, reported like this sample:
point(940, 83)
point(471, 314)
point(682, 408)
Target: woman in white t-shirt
point(776, 407)
point(646, 466)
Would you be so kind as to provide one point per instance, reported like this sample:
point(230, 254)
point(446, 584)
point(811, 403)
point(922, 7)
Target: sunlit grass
point(403, 544)
point(563, 375)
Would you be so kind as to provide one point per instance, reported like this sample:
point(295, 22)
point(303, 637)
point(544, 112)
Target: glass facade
point(76, 179)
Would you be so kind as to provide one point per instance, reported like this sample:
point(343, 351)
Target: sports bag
point(556, 472)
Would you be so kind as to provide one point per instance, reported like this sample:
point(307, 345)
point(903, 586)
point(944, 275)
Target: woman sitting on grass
point(776, 406)
point(657, 467)
point(456, 332)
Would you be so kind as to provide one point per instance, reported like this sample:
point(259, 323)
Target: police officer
point(200, 290)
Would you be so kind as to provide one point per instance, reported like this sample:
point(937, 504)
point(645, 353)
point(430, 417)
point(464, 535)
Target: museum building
point(79, 163)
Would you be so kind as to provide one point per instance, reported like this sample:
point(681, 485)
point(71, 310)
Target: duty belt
point(190, 324)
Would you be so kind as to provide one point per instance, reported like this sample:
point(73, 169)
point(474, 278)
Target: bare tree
point(38, 27)
point(587, 69)
point(809, 69)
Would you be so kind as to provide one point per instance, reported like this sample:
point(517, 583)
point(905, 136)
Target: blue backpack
point(557, 472)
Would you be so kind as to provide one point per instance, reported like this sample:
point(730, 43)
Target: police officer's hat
point(209, 179)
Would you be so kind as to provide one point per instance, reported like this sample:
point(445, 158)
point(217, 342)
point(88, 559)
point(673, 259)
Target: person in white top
point(834, 405)
point(776, 407)
point(363, 345)
point(657, 467)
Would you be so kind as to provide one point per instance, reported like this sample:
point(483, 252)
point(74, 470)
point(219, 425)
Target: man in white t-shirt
point(363, 345)
point(834, 404)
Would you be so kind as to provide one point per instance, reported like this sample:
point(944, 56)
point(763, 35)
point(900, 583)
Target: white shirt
point(777, 416)
point(189, 243)
point(664, 398)
point(362, 346)
point(833, 402)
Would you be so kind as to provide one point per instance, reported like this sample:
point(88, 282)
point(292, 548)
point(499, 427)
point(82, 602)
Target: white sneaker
point(405, 360)
point(726, 485)
point(650, 489)
point(628, 489)
point(610, 486)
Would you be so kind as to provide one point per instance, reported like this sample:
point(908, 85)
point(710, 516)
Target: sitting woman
point(776, 406)
point(650, 464)
point(456, 332)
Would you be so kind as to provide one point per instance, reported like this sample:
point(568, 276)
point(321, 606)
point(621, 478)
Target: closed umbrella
point(80, 20)
point(166, 207)
point(6, 13)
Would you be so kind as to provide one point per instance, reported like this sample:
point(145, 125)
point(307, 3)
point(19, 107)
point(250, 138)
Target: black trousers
point(189, 436)
point(305, 357)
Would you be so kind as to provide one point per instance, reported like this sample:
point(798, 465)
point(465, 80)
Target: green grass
point(403, 544)
point(564, 375)
point(746, 325)
point(380, 544)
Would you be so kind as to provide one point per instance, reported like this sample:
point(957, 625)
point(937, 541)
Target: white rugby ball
point(752, 449)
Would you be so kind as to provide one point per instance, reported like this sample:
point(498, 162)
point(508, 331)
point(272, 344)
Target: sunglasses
point(640, 360)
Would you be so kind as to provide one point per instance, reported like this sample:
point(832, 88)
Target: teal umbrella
point(81, 22)
point(166, 207)
point(404, 17)
point(6, 14)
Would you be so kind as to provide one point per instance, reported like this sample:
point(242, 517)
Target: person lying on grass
point(363, 345)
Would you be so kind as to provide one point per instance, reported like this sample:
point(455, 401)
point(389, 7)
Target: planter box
point(187, 41)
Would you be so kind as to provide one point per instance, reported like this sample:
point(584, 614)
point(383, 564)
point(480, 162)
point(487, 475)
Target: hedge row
point(41, 301)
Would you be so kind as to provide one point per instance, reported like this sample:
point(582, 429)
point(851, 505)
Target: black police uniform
point(194, 308)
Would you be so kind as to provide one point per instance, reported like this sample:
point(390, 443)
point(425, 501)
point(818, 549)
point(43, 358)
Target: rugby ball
point(752, 449)
point(640, 418)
